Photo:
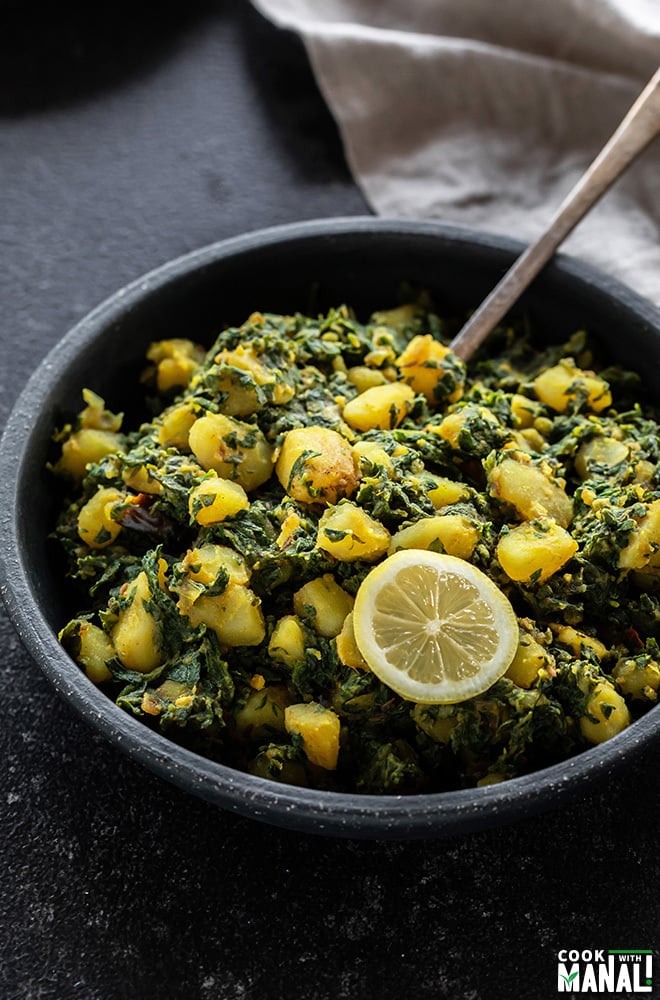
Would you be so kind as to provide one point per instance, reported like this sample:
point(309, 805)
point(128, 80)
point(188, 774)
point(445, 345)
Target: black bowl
point(306, 266)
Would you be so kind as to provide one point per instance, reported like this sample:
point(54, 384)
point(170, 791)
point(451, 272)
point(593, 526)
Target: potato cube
point(95, 651)
point(347, 647)
point(235, 450)
point(575, 641)
point(364, 378)
point(382, 407)
point(370, 454)
point(214, 499)
point(235, 616)
point(421, 367)
point(535, 550)
point(323, 604)
point(317, 465)
point(174, 426)
point(319, 728)
point(261, 714)
point(348, 532)
point(563, 384)
point(141, 480)
point(531, 491)
point(605, 452)
point(135, 636)
point(85, 447)
point(205, 563)
point(529, 659)
point(445, 491)
point(644, 540)
point(450, 533)
point(96, 526)
point(287, 643)
point(449, 429)
point(176, 361)
point(607, 714)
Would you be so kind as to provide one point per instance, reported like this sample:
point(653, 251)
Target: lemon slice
point(433, 627)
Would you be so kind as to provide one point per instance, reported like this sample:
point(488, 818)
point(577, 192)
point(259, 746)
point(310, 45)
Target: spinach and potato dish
point(217, 548)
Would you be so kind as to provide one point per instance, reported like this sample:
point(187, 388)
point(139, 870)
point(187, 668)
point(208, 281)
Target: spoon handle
point(638, 128)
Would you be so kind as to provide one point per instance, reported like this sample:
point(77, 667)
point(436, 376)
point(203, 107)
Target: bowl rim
point(308, 810)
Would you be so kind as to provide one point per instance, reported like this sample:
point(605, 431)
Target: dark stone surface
point(127, 140)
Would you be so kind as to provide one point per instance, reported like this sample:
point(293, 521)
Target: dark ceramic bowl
point(299, 267)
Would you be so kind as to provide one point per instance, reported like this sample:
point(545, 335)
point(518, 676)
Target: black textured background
point(128, 137)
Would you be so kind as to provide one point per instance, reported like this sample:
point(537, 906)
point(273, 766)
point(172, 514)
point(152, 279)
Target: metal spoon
point(638, 128)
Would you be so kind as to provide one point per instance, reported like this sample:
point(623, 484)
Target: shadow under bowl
point(301, 267)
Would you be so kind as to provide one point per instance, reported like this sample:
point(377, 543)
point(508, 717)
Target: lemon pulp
point(433, 627)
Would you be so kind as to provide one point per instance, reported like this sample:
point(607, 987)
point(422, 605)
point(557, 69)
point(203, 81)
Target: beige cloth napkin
point(485, 112)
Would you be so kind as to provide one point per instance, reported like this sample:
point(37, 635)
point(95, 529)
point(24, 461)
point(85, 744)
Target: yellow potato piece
point(533, 493)
point(135, 636)
point(323, 604)
point(348, 532)
point(95, 651)
point(446, 491)
point(261, 715)
point(287, 643)
point(536, 547)
point(235, 450)
point(214, 499)
point(204, 564)
point(319, 728)
point(317, 465)
point(560, 385)
point(235, 616)
point(174, 426)
point(600, 451)
point(644, 541)
point(450, 533)
point(347, 647)
point(610, 714)
point(451, 426)
point(85, 447)
point(529, 659)
point(382, 407)
point(96, 526)
point(420, 366)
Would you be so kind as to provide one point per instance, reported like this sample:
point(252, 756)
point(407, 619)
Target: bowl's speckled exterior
point(297, 267)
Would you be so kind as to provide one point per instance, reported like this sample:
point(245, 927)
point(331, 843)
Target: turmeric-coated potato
point(382, 407)
point(235, 616)
point(317, 465)
point(96, 526)
point(644, 540)
point(426, 364)
point(174, 424)
point(347, 647)
point(214, 499)
point(287, 643)
point(176, 360)
point(323, 604)
point(597, 457)
point(565, 384)
point(348, 532)
point(531, 491)
point(245, 372)
point(135, 636)
point(235, 450)
point(535, 550)
point(85, 447)
point(319, 729)
point(530, 657)
point(450, 533)
point(261, 714)
point(607, 714)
